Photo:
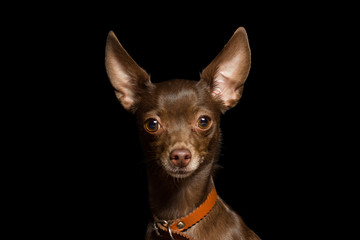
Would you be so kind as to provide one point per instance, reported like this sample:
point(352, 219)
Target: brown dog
point(179, 124)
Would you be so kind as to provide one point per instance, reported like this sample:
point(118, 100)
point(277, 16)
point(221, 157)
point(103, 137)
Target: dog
point(179, 121)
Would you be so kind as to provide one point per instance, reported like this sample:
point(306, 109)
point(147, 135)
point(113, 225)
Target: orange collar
point(180, 225)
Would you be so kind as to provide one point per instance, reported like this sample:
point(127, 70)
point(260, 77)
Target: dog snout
point(180, 157)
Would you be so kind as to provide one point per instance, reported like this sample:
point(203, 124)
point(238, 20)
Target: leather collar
point(179, 225)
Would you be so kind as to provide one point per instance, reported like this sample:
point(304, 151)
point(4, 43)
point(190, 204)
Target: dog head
point(179, 119)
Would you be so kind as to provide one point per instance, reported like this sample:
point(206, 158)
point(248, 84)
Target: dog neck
point(172, 198)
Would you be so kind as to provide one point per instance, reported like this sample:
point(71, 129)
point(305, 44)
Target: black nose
point(180, 157)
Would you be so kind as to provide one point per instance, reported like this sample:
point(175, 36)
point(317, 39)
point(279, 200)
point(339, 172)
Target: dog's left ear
point(226, 74)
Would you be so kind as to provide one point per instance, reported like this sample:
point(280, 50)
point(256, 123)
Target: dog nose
point(180, 157)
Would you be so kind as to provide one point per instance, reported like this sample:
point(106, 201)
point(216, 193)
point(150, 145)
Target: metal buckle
point(164, 222)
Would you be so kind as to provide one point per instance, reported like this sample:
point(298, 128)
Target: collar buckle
point(164, 223)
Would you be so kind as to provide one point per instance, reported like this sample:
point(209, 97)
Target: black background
point(89, 172)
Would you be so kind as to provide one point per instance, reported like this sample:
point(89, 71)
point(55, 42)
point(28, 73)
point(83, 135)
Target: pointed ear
point(226, 74)
point(128, 79)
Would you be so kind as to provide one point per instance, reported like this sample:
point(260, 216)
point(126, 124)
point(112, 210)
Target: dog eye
point(152, 125)
point(204, 122)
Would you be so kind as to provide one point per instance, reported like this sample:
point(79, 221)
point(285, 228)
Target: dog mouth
point(178, 172)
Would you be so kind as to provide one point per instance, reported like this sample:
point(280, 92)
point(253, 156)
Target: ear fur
point(227, 73)
point(127, 78)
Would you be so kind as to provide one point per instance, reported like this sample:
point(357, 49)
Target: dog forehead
point(177, 95)
point(176, 98)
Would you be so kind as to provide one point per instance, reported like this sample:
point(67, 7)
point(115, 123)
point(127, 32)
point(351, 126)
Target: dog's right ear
point(128, 79)
point(226, 74)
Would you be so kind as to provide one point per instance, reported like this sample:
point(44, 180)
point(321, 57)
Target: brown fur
point(178, 105)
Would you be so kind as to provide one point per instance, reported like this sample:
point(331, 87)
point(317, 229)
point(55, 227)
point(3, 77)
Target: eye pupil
point(152, 125)
point(203, 122)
